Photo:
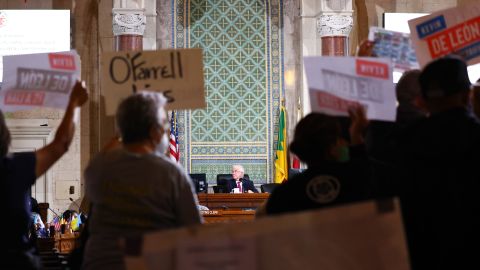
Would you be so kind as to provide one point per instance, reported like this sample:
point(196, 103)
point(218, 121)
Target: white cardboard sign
point(178, 74)
point(450, 31)
point(224, 253)
point(335, 83)
point(322, 239)
point(38, 80)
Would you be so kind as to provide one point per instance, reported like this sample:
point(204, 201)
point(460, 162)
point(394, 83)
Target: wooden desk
point(227, 201)
point(63, 243)
point(227, 216)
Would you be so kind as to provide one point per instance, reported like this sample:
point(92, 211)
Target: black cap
point(444, 77)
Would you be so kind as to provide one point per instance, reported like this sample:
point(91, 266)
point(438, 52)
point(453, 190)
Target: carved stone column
point(128, 28)
point(334, 28)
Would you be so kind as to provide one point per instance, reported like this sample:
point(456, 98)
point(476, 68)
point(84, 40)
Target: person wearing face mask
point(338, 172)
point(135, 188)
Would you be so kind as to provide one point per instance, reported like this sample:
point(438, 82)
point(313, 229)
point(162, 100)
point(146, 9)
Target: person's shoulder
point(23, 159)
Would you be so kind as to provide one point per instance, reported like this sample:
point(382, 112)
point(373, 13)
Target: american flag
point(174, 153)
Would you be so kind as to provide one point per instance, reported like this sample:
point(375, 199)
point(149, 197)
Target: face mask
point(161, 147)
point(343, 153)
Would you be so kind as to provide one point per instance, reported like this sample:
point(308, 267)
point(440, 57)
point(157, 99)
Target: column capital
point(129, 21)
point(334, 24)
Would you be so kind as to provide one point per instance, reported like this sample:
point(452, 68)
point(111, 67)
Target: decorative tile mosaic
point(242, 43)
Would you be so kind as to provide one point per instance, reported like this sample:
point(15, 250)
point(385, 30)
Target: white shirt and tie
point(239, 186)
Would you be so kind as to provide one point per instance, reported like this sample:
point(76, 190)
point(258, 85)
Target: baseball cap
point(444, 77)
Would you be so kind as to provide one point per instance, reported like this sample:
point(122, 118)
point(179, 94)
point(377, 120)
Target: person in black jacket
point(439, 183)
point(238, 181)
point(337, 172)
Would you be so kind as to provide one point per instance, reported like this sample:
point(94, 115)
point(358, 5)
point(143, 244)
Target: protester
point(437, 160)
point(135, 188)
point(381, 136)
point(337, 173)
point(18, 172)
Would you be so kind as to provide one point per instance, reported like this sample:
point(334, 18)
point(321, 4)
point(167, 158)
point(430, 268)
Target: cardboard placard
point(38, 80)
point(365, 235)
point(335, 83)
point(178, 74)
point(394, 45)
point(450, 31)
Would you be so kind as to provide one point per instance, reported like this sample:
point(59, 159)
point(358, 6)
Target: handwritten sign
point(38, 80)
point(394, 45)
point(178, 74)
point(321, 239)
point(450, 31)
point(335, 83)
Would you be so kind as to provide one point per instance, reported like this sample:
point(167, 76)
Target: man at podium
point(239, 184)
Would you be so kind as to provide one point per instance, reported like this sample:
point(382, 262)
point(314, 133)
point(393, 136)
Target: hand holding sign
point(358, 124)
point(79, 95)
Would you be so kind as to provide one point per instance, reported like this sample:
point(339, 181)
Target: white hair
point(160, 101)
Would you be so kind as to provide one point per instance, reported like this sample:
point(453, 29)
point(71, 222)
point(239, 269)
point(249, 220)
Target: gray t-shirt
point(133, 194)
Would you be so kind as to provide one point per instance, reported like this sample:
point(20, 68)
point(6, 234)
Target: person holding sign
point(439, 183)
point(337, 172)
point(135, 188)
point(18, 173)
point(239, 184)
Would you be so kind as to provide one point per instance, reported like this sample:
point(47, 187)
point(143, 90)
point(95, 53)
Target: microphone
point(76, 204)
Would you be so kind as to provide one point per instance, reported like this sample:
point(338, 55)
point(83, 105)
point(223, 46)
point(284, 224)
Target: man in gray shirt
point(135, 188)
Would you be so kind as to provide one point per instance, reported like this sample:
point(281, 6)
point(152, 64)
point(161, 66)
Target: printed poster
point(394, 45)
point(38, 80)
point(450, 31)
point(178, 74)
point(335, 83)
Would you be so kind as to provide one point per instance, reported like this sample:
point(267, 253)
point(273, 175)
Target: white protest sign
point(225, 253)
point(178, 74)
point(394, 45)
point(38, 80)
point(321, 239)
point(450, 31)
point(335, 83)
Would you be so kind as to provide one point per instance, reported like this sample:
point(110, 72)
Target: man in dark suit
point(238, 181)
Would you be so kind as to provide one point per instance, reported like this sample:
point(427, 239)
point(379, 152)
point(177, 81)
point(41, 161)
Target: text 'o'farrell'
point(132, 67)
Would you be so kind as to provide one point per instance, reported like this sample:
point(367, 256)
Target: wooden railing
point(227, 201)
point(227, 208)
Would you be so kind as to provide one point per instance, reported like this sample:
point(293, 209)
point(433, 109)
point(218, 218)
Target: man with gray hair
point(239, 183)
point(135, 188)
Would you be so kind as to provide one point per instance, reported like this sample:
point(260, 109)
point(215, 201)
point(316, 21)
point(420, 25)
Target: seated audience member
point(237, 181)
point(135, 188)
point(439, 187)
point(38, 228)
point(18, 172)
point(337, 172)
